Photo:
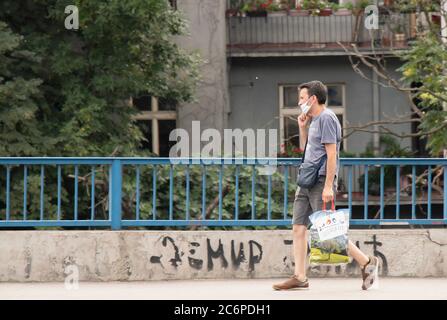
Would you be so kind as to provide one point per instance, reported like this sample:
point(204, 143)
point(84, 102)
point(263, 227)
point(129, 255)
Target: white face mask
point(305, 107)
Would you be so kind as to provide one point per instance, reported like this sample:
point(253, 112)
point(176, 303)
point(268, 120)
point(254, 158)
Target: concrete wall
point(206, 22)
point(254, 93)
point(154, 255)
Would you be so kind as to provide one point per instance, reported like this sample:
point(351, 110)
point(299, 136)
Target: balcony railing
point(295, 34)
point(137, 192)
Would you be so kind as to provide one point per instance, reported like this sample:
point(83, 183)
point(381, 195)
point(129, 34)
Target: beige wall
point(155, 255)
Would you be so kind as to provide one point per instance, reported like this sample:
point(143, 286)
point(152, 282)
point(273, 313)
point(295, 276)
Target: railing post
point(445, 193)
point(115, 194)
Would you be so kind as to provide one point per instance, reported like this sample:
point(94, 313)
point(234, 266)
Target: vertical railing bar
point(25, 183)
point(269, 195)
point(317, 24)
point(76, 193)
point(286, 191)
point(382, 173)
point(236, 196)
point(347, 29)
point(220, 192)
point(171, 191)
point(253, 194)
point(110, 192)
point(283, 24)
point(413, 192)
point(350, 190)
point(8, 178)
point(203, 192)
point(92, 200)
point(154, 192)
point(429, 193)
point(365, 213)
point(117, 194)
point(137, 191)
point(42, 173)
point(292, 24)
point(59, 192)
point(187, 193)
point(254, 33)
point(250, 31)
point(398, 192)
point(445, 192)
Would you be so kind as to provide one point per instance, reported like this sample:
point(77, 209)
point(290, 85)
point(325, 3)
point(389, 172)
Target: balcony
point(316, 35)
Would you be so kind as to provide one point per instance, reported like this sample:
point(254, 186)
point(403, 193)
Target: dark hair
point(316, 88)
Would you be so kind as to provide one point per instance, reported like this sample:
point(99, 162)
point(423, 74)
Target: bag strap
point(332, 205)
point(305, 146)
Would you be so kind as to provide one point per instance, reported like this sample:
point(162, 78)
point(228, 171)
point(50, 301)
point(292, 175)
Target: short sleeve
point(328, 130)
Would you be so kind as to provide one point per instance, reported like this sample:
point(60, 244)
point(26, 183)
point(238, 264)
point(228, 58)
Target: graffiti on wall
point(214, 252)
point(206, 257)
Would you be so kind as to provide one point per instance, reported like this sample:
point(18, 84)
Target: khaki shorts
point(308, 201)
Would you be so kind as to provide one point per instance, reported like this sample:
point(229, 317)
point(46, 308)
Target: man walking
point(323, 137)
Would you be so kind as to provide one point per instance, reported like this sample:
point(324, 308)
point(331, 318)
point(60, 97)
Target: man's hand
point(303, 120)
point(328, 194)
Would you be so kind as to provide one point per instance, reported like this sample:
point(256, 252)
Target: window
point(335, 95)
point(157, 118)
point(289, 111)
point(173, 4)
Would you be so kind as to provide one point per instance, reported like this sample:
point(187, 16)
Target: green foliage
point(408, 6)
point(19, 92)
point(346, 154)
point(272, 7)
point(362, 4)
point(424, 63)
point(391, 149)
point(314, 6)
point(66, 92)
point(335, 6)
point(80, 81)
point(254, 5)
point(347, 5)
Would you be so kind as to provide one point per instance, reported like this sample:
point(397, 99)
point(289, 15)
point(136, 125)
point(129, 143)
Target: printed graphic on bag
point(331, 225)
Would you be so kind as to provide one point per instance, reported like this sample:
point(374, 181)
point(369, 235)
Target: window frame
point(155, 115)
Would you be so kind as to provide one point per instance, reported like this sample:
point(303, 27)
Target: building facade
point(252, 67)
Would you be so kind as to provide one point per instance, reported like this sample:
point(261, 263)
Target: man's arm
point(331, 164)
point(303, 124)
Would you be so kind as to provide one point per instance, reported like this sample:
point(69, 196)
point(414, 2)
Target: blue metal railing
point(114, 174)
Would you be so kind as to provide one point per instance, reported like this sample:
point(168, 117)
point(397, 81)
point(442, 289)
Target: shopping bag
point(328, 236)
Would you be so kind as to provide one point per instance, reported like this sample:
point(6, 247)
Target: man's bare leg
point(300, 250)
point(369, 265)
point(361, 258)
point(299, 279)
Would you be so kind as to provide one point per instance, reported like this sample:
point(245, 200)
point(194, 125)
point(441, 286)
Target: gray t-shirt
point(324, 128)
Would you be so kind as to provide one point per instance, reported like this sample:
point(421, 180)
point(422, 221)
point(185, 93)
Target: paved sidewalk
point(328, 288)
